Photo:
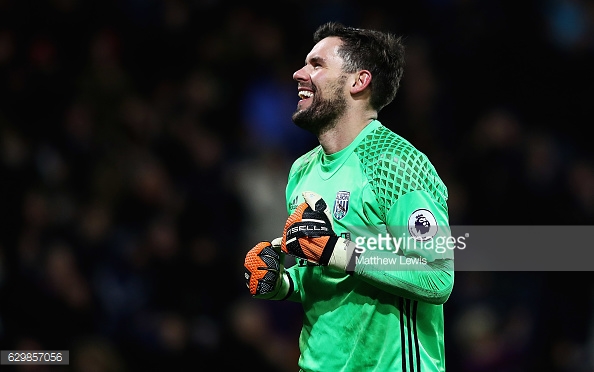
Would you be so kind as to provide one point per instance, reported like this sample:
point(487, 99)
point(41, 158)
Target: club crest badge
point(341, 204)
point(422, 224)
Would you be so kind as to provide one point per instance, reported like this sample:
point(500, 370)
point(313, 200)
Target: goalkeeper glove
point(309, 234)
point(264, 274)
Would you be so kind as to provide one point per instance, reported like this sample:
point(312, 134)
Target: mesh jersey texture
point(394, 167)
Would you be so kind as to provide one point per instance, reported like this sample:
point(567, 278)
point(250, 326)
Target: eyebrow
point(315, 59)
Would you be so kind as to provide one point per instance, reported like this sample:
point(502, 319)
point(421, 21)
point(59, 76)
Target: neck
point(340, 135)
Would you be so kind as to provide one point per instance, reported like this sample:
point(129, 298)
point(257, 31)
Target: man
point(369, 276)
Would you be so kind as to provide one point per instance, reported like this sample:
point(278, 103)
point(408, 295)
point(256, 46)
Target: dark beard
point(323, 113)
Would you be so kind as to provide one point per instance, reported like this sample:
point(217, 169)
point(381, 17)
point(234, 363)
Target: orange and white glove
point(309, 234)
point(265, 274)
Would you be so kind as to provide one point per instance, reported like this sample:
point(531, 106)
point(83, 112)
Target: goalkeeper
point(365, 309)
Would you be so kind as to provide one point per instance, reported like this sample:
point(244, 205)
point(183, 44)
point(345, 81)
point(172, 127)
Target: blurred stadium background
point(145, 146)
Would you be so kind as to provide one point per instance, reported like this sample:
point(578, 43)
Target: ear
point(362, 80)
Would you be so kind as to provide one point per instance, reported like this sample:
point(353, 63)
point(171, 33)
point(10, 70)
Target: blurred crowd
point(145, 145)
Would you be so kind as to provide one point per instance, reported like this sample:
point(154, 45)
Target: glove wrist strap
point(286, 288)
point(342, 255)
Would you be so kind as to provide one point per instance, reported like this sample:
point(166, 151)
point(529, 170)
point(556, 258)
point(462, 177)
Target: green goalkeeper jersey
point(387, 315)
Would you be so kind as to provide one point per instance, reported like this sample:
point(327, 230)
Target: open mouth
point(305, 94)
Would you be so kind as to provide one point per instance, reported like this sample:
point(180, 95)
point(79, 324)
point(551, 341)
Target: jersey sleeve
point(422, 266)
point(413, 201)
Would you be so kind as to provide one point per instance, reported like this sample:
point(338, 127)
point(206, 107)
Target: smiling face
point(321, 87)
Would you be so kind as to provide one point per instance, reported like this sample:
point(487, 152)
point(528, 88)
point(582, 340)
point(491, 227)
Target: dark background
point(145, 146)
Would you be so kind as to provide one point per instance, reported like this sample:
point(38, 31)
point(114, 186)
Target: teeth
point(305, 94)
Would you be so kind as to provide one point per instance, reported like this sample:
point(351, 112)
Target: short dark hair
point(382, 53)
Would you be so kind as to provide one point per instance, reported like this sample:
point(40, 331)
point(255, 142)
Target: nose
point(300, 75)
